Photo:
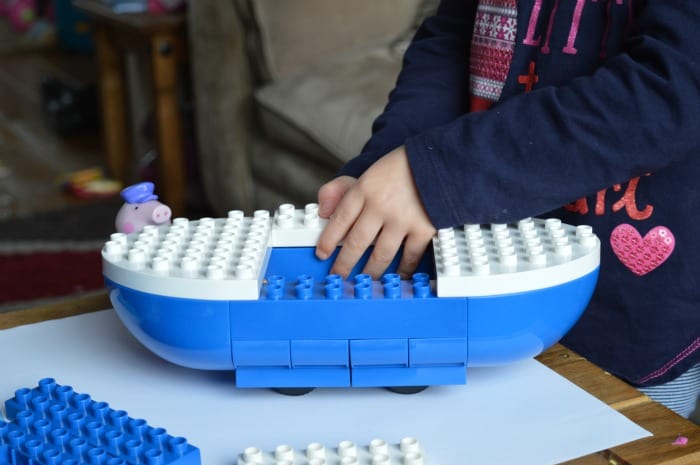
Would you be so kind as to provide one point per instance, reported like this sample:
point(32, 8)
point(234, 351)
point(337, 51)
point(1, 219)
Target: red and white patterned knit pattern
point(492, 48)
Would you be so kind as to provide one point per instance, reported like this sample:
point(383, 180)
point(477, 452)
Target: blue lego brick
point(309, 364)
point(300, 377)
point(435, 351)
point(261, 353)
point(53, 425)
point(320, 353)
point(307, 308)
point(289, 261)
point(411, 376)
point(379, 352)
point(373, 362)
point(414, 362)
point(6, 455)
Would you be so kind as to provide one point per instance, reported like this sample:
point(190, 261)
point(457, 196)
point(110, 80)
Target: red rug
point(54, 255)
point(28, 276)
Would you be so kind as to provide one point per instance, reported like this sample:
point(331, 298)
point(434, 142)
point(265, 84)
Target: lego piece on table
point(53, 425)
point(296, 228)
point(378, 452)
point(498, 259)
point(212, 259)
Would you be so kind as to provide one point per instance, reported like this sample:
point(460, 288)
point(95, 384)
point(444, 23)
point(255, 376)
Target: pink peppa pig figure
point(141, 208)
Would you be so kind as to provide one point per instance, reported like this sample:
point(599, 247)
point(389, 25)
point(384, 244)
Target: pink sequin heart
point(642, 255)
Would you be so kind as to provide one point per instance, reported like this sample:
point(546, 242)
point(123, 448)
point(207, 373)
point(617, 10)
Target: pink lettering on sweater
point(532, 25)
point(628, 201)
point(533, 39)
point(573, 31)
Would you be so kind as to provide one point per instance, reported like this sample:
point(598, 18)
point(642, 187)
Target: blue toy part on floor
point(53, 425)
point(248, 294)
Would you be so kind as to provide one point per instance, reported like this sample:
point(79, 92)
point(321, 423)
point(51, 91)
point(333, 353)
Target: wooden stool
point(163, 38)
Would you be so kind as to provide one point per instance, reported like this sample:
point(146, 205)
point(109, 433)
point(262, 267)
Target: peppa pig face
point(127, 217)
point(133, 217)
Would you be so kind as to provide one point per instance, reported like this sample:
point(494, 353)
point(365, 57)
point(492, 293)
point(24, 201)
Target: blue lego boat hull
point(318, 331)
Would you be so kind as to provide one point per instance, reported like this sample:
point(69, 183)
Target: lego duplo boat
point(247, 294)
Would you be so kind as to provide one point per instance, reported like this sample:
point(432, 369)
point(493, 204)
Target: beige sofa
point(286, 90)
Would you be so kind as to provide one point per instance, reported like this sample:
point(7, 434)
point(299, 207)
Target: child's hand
point(331, 193)
point(383, 204)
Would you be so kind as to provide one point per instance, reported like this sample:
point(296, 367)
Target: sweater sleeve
point(637, 113)
point(434, 78)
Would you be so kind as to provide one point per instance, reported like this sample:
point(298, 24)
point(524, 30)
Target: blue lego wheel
point(407, 389)
point(293, 391)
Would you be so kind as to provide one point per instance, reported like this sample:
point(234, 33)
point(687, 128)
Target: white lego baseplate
point(407, 452)
point(498, 259)
point(226, 258)
point(213, 259)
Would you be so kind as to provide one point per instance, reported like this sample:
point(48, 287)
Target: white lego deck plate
point(378, 452)
point(296, 228)
point(499, 259)
point(226, 258)
point(212, 259)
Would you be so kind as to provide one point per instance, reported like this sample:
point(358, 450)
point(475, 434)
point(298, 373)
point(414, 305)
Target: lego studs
point(377, 452)
point(53, 425)
point(362, 287)
point(287, 217)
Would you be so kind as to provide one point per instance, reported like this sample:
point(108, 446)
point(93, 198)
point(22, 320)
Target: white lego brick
point(378, 452)
point(498, 259)
point(212, 259)
point(293, 227)
point(226, 258)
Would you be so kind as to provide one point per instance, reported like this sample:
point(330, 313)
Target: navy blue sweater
point(609, 136)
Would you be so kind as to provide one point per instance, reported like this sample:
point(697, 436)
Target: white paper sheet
point(516, 415)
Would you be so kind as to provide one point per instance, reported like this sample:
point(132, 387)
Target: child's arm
point(434, 78)
point(638, 112)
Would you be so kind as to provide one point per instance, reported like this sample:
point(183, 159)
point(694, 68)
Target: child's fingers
point(357, 240)
point(385, 248)
point(339, 224)
point(413, 250)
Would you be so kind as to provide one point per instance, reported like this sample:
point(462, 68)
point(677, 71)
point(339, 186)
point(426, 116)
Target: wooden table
point(663, 423)
point(163, 38)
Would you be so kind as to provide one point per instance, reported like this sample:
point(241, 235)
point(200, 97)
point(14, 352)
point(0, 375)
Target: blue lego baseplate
point(53, 425)
point(249, 295)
